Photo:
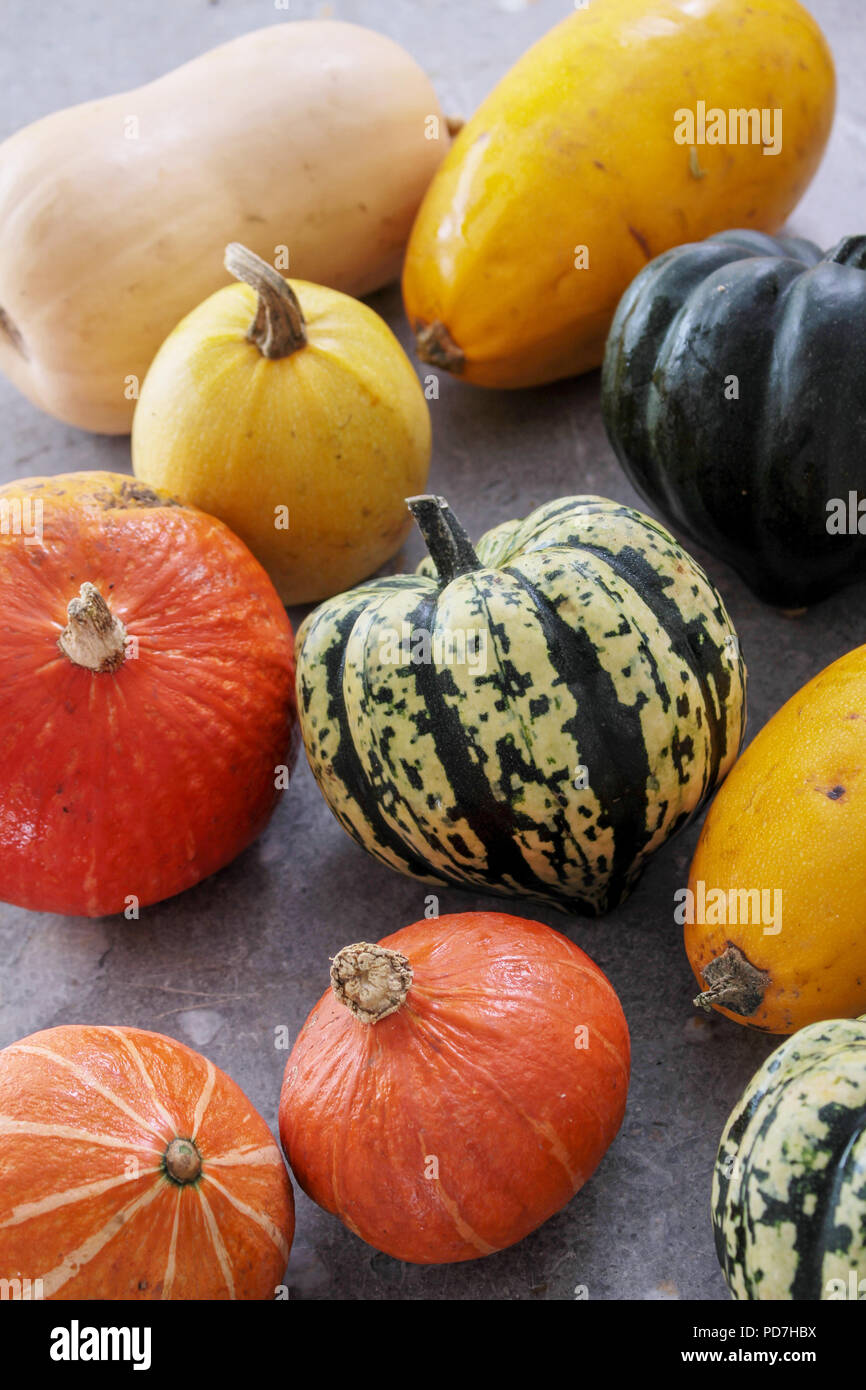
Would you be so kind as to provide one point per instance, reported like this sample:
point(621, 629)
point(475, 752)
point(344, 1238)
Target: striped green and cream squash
point(608, 704)
point(789, 1188)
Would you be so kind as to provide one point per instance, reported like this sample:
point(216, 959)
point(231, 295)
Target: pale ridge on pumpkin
point(245, 1157)
point(137, 1058)
point(259, 1218)
point(56, 1200)
point(204, 1099)
point(171, 1261)
point(217, 1242)
point(87, 1079)
point(80, 1136)
point(71, 1266)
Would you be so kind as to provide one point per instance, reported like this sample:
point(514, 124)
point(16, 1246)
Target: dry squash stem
point(450, 548)
point(370, 980)
point(182, 1161)
point(734, 983)
point(278, 328)
point(93, 637)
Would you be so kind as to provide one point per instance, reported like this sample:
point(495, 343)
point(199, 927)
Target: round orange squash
point(777, 888)
point(456, 1086)
point(147, 691)
point(133, 1168)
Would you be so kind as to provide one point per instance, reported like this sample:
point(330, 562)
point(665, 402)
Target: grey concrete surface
point(224, 965)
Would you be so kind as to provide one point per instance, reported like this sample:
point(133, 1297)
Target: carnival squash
point(133, 1168)
point(312, 141)
point(776, 899)
point(146, 684)
point(293, 414)
point(532, 718)
point(457, 1085)
point(789, 1187)
point(633, 126)
point(734, 394)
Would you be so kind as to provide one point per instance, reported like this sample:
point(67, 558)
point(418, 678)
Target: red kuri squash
point(133, 1168)
point(456, 1086)
point(146, 694)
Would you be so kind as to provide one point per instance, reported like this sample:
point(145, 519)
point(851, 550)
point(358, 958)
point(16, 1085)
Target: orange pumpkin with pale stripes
point(133, 1168)
point(456, 1086)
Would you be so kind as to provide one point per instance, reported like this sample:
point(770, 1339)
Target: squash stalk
point(850, 251)
point(450, 548)
point(93, 637)
point(278, 328)
point(434, 344)
point(370, 980)
point(733, 983)
point(182, 1161)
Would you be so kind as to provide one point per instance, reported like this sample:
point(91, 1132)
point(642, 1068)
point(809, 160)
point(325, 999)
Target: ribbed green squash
point(734, 395)
point(607, 649)
point(789, 1190)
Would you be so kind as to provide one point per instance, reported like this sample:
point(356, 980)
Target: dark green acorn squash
point(734, 394)
point(608, 705)
point(789, 1189)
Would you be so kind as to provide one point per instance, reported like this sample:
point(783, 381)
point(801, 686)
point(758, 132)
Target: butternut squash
point(315, 137)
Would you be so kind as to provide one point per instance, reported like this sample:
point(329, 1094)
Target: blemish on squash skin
point(641, 241)
point(133, 494)
point(9, 329)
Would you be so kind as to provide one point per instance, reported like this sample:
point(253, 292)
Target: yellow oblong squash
point(315, 137)
point(580, 167)
point(774, 923)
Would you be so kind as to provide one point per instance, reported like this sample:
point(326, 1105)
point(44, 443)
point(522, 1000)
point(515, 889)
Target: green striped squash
point(533, 718)
point(789, 1188)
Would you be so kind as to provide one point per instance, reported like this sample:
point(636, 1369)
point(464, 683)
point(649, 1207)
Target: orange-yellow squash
point(599, 150)
point(292, 413)
point(778, 882)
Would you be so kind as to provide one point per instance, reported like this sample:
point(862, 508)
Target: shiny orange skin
point(86, 1114)
point(792, 815)
point(480, 1071)
point(575, 148)
point(139, 782)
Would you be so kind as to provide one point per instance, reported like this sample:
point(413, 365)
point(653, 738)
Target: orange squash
point(133, 1168)
point(146, 692)
point(456, 1086)
point(778, 882)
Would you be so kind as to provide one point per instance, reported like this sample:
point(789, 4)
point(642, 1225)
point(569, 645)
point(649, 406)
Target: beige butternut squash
point(316, 137)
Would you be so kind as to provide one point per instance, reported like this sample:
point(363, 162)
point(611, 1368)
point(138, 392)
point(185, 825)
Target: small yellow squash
point(292, 413)
point(598, 151)
point(316, 137)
